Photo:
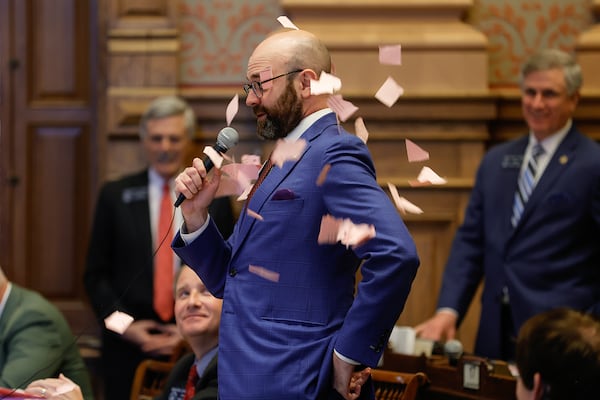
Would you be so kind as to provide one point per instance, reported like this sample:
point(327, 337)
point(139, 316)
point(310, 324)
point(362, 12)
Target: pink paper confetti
point(343, 108)
point(245, 193)
point(403, 205)
point(287, 151)
point(329, 230)
point(414, 152)
point(264, 75)
point(286, 23)
point(232, 109)
point(355, 235)
point(254, 214)
point(390, 54)
point(264, 273)
point(118, 322)
point(215, 157)
point(251, 159)
point(327, 83)
point(236, 178)
point(335, 230)
point(361, 129)
point(389, 92)
point(427, 177)
point(323, 174)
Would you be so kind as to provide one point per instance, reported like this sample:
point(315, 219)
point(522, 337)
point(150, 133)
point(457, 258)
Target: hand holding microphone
point(226, 139)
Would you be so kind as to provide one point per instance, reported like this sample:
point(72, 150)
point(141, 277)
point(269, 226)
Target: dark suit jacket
point(36, 342)
point(119, 270)
point(278, 330)
point(206, 387)
point(551, 258)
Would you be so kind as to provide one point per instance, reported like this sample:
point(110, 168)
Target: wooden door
point(47, 147)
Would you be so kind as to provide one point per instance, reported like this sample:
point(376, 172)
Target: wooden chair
point(392, 385)
point(150, 379)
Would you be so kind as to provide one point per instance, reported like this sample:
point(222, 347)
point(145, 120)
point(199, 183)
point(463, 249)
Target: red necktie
point(190, 386)
point(163, 265)
point(261, 177)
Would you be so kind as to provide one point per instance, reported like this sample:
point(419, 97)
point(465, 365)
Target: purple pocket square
point(283, 194)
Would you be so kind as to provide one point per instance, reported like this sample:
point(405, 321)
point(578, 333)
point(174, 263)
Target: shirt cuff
point(189, 237)
point(447, 310)
point(344, 358)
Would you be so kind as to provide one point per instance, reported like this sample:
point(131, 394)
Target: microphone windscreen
point(227, 138)
point(453, 348)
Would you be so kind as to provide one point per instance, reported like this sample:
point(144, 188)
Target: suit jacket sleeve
point(389, 260)
point(32, 344)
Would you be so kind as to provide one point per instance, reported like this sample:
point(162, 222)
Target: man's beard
point(285, 115)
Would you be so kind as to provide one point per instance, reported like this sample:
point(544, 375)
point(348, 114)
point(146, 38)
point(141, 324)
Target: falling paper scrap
point(323, 174)
point(427, 177)
point(327, 83)
point(389, 92)
point(335, 230)
point(343, 108)
point(215, 157)
point(390, 55)
point(403, 205)
point(236, 178)
point(287, 151)
point(254, 215)
point(232, 109)
point(414, 152)
point(264, 273)
point(245, 193)
point(361, 129)
point(286, 23)
point(118, 322)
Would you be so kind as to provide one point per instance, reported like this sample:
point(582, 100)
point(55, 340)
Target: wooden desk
point(485, 380)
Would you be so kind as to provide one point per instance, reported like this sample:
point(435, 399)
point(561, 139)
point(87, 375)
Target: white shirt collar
point(551, 142)
point(306, 123)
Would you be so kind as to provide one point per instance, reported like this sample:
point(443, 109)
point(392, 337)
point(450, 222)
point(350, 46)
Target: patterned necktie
point(261, 177)
point(190, 386)
point(526, 184)
point(163, 261)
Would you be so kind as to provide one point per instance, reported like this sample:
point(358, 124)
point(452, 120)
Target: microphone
point(453, 350)
point(226, 139)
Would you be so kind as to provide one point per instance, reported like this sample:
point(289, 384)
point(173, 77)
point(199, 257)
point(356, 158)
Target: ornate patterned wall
point(516, 28)
point(218, 35)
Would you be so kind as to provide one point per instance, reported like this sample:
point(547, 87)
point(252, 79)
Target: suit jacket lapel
point(140, 210)
point(562, 158)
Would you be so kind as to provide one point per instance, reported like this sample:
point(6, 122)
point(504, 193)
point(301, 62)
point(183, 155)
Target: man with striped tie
point(532, 225)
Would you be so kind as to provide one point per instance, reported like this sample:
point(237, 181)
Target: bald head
point(293, 49)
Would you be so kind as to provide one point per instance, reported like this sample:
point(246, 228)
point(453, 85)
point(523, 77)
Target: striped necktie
point(526, 184)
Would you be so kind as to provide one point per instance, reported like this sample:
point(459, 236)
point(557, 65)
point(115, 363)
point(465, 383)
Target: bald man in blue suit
point(548, 257)
point(297, 329)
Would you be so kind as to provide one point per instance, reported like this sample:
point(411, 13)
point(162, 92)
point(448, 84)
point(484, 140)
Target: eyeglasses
point(257, 88)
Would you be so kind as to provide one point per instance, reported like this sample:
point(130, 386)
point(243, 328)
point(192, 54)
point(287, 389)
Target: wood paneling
point(50, 95)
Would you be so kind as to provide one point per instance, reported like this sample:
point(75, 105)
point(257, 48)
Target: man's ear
point(305, 78)
point(538, 386)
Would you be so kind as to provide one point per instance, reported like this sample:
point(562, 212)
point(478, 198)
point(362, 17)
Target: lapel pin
point(563, 159)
